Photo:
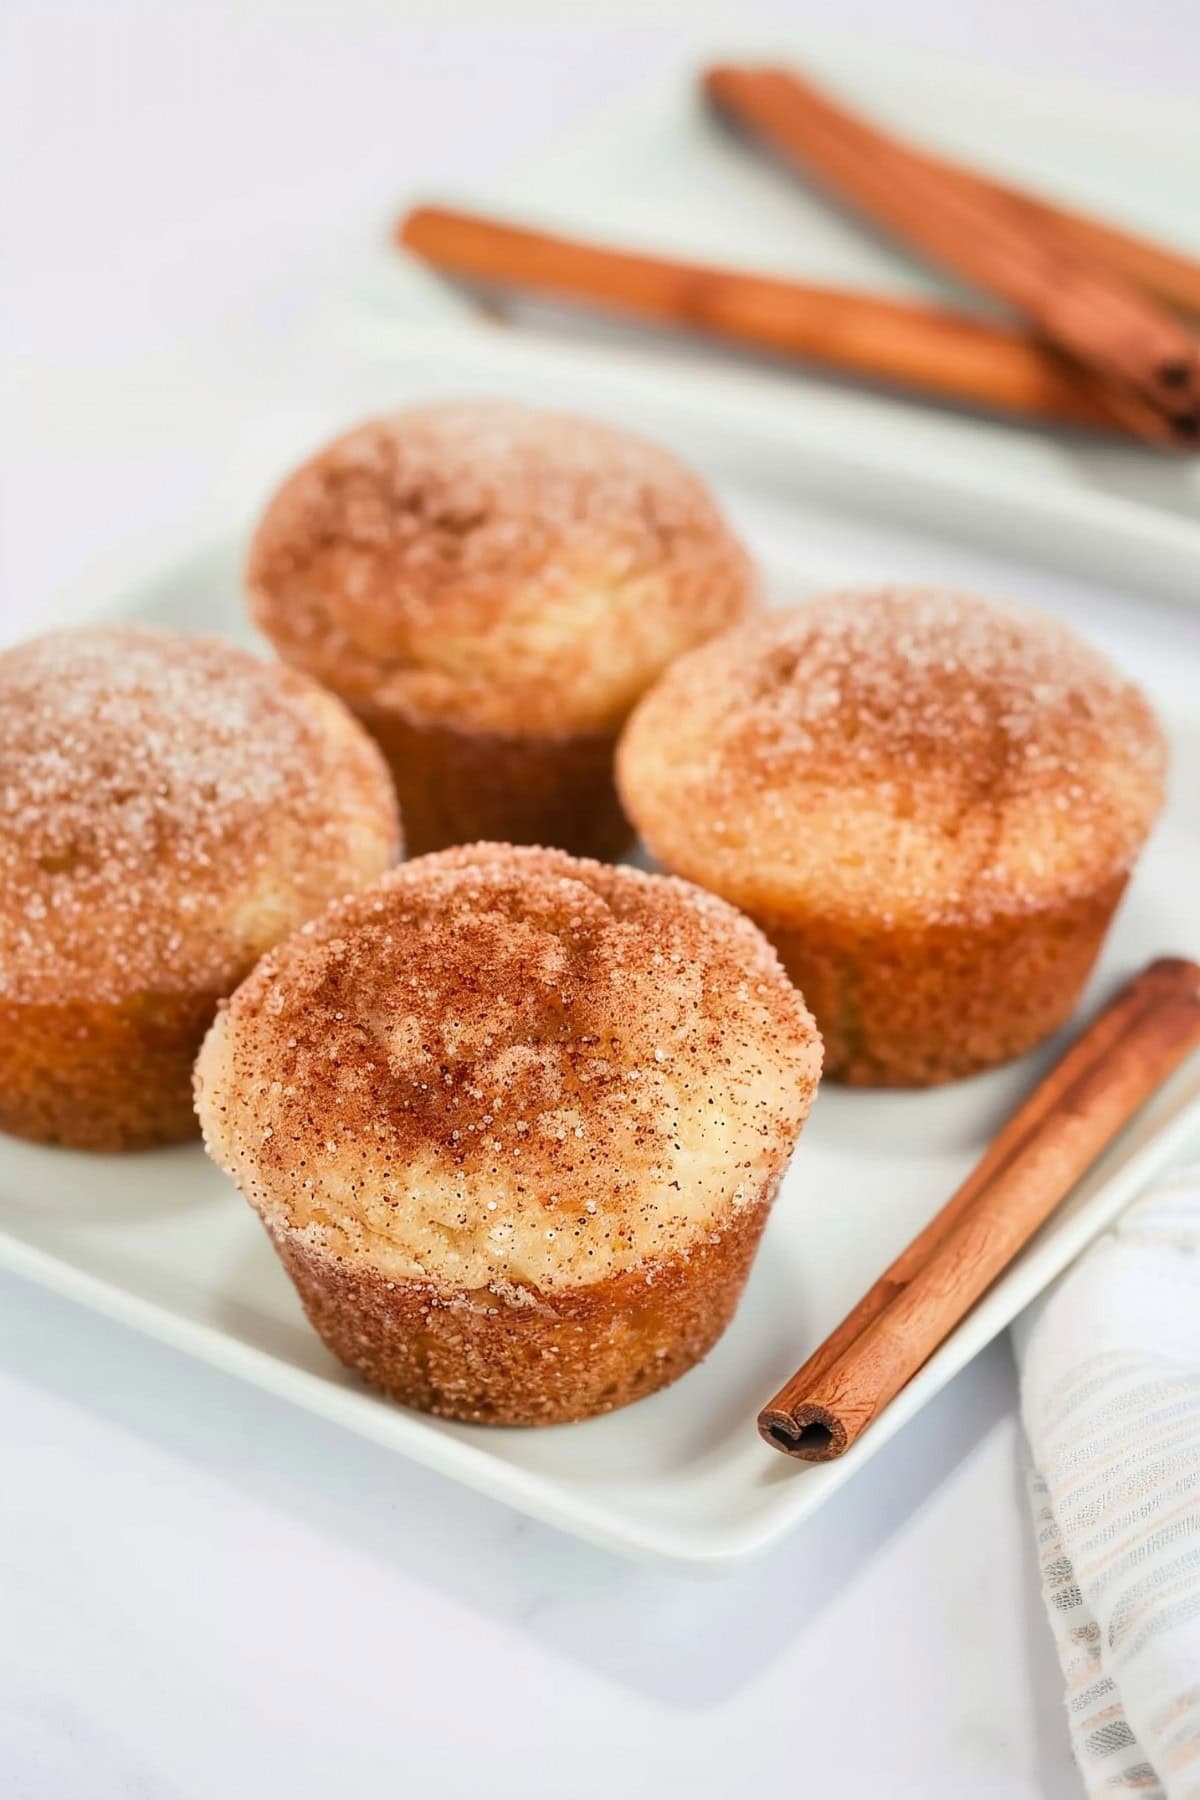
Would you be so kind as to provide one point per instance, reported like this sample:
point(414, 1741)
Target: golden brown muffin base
point(570, 1354)
point(912, 1008)
point(91, 1076)
point(461, 787)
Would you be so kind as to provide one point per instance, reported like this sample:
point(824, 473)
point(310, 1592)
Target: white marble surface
point(203, 1592)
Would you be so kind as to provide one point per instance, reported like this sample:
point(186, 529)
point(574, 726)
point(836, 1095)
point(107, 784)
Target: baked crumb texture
point(491, 589)
point(169, 807)
point(930, 802)
point(514, 1122)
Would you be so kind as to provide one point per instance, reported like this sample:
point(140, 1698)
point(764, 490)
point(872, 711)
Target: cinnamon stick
point(1167, 275)
point(930, 349)
point(1142, 355)
point(1139, 1039)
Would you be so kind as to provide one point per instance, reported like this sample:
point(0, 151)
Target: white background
point(202, 1592)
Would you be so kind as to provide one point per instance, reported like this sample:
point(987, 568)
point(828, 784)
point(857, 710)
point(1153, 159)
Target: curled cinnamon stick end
point(810, 1432)
point(1053, 1138)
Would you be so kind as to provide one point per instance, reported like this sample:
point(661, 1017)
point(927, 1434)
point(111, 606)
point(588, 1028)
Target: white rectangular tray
point(162, 1242)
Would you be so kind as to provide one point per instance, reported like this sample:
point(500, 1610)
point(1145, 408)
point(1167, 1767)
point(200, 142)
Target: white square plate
point(827, 485)
point(162, 1241)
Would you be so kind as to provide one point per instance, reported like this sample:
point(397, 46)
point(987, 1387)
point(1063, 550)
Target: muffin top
point(491, 567)
point(510, 1069)
point(895, 756)
point(170, 805)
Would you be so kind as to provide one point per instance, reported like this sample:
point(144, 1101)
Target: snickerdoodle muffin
point(931, 803)
point(490, 589)
point(514, 1122)
point(169, 807)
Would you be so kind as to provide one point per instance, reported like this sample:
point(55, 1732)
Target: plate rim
point(705, 1551)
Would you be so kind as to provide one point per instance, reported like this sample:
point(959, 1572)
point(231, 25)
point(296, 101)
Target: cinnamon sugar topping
point(915, 753)
point(513, 1066)
point(168, 806)
point(490, 566)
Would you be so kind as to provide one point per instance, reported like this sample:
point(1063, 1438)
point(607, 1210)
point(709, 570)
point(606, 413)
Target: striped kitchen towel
point(1110, 1394)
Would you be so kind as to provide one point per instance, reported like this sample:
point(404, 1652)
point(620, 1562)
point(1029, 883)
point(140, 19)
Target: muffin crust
point(502, 1094)
point(485, 584)
point(171, 806)
point(930, 802)
point(484, 565)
